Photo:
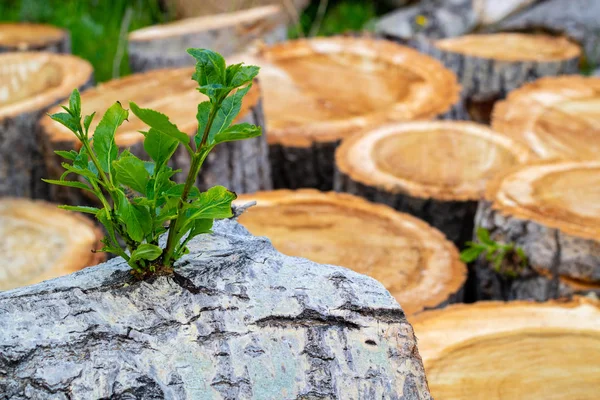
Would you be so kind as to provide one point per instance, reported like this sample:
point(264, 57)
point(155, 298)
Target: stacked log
point(414, 261)
point(241, 166)
point(512, 350)
point(434, 170)
point(557, 117)
point(165, 45)
point(40, 241)
point(30, 83)
point(33, 37)
point(319, 91)
point(550, 211)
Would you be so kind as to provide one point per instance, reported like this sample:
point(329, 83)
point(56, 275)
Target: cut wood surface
point(506, 351)
point(435, 170)
point(489, 66)
point(414, 261)
point(319, 91)
point(241, 166)
point(194, 8)
point(162, 46)
point(30, 83)
point(40, 241)
point(557, 117)
point(33, 37)
point(236, 320)
point(552, 211)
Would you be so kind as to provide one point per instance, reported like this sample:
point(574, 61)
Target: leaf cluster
point(140, 199)
point(498, 254)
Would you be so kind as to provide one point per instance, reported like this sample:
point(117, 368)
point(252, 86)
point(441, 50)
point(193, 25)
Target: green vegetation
point(140, 201)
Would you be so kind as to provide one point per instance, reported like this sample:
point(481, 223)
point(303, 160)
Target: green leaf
point(137, 219)
point(201, 225)
point(67, 120)
point(131, 172)
point(69, 155)
point(145, 251)
point(160, 122)
point(104, 144)
point(470, 254)
point(210, 67)
point(83, 209)
point(103, 217)
point(87, 121)
point(214, 203)
point(238, 132)
point(484, 237)
point(74, 184)
point(160, 146)
point(177, 191)
point(75, 103)
point(240, 75)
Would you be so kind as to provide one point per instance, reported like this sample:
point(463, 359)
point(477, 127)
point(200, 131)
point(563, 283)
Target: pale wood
point(414, 261)
point(40, 241)
point(33, 37)
point(241, 166)
point(162, 46)
point(319, 91)
point(435, 170)
point(556, 117)
point(518, 350)
point(30, 83)
point(194, 8)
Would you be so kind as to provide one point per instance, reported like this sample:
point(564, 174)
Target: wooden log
point(41, 242)
point(241, 166)
point(165, 45)
point(556, 117)
point(319, 91)
point(518, 350)
point(193, 8)
point(30, 83)
point(551, 212)
point(489, 66)
point(434, 170)
point(414, 261)
point(236, 320)
point(33, 37)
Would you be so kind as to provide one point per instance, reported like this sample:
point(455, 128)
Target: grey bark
point(237, 320)
point(62, 46)
point(453, 218)
point(548, 250)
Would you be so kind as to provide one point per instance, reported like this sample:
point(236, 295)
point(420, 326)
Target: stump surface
point(414, 261)
point(33, 37)
point(237, 320)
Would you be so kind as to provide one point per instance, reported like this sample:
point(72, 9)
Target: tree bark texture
point(237, 320)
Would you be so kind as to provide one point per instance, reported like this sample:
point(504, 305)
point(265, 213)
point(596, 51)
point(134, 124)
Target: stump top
point(320, 90)
point(245, 21)
point(30, 81)
point(40, 241)
point(25, 36)
point(557, 117)
point(444, 160)
point(512, 47)
point(169, 91)
point(565, 196)
point(517, 349)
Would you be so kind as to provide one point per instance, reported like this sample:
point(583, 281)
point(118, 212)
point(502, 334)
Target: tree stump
point(33, 37)
point(241, 166)
point(237, 320)
point(414, 261)
point(319, 91)
point(165, 45)
point(557, 117)
point(42, 242)
point(434, 170)
point(489, 66)
point(518, 350)
point(551, 212)
point(29, 84)
point(192, 8)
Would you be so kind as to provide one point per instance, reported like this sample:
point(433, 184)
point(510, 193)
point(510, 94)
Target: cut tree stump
point(33, 37)
point(241, 166)
point(237, 320)
point(193, 8)
point(40, 241)
point(551, 211)
point(434, 170)
point(319, 91)
point(414, 261)
point(162, 46)
point(489, 66)
point(506, 351)
point(29, 84)
point(557, 117)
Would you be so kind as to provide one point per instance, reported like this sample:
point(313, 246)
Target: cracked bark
point(238, 320)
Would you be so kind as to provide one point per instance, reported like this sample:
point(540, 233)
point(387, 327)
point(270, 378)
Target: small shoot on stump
point(140, 201)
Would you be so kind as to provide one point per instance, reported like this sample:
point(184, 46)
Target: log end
point(33, 37)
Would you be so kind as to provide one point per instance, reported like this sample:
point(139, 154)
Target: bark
point(237, 320)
